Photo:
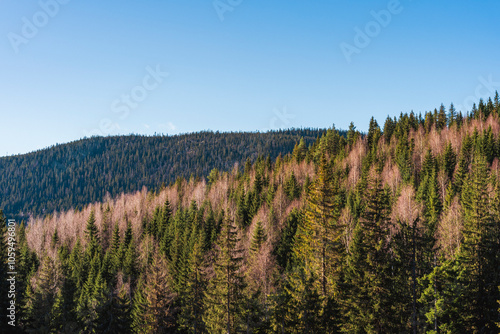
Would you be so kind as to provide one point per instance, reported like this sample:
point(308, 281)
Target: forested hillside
point(82, 172)
point(396, 231)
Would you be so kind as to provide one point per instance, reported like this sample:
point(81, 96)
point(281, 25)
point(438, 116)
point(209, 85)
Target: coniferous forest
point(70, 175)
point(396, 230)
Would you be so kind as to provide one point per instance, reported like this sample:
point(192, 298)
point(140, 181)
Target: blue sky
point(74, 68)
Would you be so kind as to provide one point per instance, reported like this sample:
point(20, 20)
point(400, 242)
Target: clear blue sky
point(85, 67)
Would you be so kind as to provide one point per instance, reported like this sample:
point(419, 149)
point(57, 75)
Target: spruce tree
point(258, 238)
point(369, 284)
point(224, 296)
point(193, 295)
point(478, 252)
point(319, 245)
point(153, 309)
point(449, 161)
point(39, 317)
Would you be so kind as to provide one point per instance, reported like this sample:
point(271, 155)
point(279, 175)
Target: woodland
point(395, 230)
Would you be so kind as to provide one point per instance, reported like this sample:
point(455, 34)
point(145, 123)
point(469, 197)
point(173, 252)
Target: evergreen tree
point(258, 238)
point(192, 309)
point(308, 303)
point(284, 249)
point(39, 317)
point(92, 235)
point(300, 151)
point(292, 187)
point(449, 161)
point(404, 151)
point(319, 245)
point(352, 135)
point(369, 296)
point(373, 134)
point(478, 253)
point(441, 120)
point(115, 314)
point(452, 115)
point(153, 304)
point(225, 290)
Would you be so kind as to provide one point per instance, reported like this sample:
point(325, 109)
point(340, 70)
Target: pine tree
point(192, 299)
point(242, 215)
point(320, 247)
point(165, 219)
point(91, 298)
point(441, 120)
point(115, 247)
point(389, 127)
point(441, 288)
point(478, 253)
point(153, 304)
point(282, 311)
point(92, 235)
point(258, 238)
point(284, 249)
point(449, 161)
point(55, 240)
point(352, 134)
point(114, 315)
point(307, 302)
point(38, 315)
point(292, 187)
point(225, 290)
point(300, 151)
point(452, 115)
point(373, 134)
point(404, 151)
point(369, 280)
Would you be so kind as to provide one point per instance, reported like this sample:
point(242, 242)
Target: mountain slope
point(393, 232)
point(84, 171)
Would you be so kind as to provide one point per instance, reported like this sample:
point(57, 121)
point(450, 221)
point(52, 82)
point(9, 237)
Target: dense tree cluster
point(395, 231)
point(84, 171)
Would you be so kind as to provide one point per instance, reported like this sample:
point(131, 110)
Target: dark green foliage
point(449, 161)
point(84, 171)
point(374, 134)
point(385, 238)
point(369, 279)
point(404, 151)
point(284, 247)
point(225, 292)
point(441, 120)
point(39, 315)
point(352, 135)
point(153, 310)
point(300, 151)
point(193, 295)
point(292, 187)
point(258, 238)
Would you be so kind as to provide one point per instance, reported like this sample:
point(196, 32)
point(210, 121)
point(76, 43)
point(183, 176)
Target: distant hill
point(84, 171)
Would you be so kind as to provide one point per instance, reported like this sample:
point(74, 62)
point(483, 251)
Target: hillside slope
point(84, 171)
point(397, 231)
